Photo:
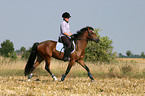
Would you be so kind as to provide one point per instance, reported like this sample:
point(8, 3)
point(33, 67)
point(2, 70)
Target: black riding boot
point(66, 56)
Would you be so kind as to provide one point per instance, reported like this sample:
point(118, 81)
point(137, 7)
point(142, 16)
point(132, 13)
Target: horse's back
point(46, 46)
point(48, 43)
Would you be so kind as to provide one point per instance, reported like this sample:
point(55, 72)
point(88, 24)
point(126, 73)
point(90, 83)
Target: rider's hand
point(72, 37)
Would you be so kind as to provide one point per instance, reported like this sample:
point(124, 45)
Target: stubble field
point(123, 77)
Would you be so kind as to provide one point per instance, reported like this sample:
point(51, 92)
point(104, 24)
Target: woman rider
point(65, 35)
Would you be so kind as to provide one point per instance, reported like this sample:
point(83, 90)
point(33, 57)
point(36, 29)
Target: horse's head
point(86, 33)
point(91, 35)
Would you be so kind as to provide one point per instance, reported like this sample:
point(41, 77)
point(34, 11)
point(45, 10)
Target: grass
point(121, 68)
point(72, 86)
point(121, 77)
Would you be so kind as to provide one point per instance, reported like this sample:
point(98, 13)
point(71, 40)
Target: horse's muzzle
point(97, 40)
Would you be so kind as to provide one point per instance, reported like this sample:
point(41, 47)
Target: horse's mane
point(81, 31)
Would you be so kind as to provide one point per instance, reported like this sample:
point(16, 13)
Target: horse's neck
point(81, 45)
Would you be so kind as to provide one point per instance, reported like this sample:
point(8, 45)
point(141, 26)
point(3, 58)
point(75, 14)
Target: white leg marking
point(54, 78)
point(29, 80)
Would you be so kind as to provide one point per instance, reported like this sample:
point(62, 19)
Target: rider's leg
point(67, 45)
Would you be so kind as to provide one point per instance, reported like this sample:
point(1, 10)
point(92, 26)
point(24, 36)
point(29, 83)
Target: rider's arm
point(67, 34)
point(70, 33)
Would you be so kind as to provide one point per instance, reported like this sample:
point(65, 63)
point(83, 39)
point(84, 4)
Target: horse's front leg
point(81, 62)
point(71, 62)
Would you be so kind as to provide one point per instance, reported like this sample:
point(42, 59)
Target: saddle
point(60, 47)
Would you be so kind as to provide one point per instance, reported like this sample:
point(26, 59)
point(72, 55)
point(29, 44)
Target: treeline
point(129, 54)
point(7, 50)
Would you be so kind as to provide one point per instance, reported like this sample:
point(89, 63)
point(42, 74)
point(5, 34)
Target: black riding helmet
point(66, 15)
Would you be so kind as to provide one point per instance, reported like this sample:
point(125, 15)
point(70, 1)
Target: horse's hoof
point(92, 81)
point(63, 77)
point(30, 76)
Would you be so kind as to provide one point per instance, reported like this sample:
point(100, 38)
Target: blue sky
point(25, 22)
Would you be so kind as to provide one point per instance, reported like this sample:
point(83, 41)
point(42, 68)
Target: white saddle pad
point(60, 48)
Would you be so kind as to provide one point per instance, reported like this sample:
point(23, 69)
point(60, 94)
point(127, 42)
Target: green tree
point(102, 51)
point(13, 55)
point(120, 55)
point(142, 55)
point(23, 49)
point(7, 48)
point(128, 53)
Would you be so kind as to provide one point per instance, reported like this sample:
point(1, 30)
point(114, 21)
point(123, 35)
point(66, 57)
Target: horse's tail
point(32, 57)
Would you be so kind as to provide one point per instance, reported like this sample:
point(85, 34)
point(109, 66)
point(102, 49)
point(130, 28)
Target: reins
point(82, 39)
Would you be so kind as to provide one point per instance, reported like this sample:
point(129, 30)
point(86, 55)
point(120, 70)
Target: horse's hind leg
point(47, 67)
point(39, 60)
